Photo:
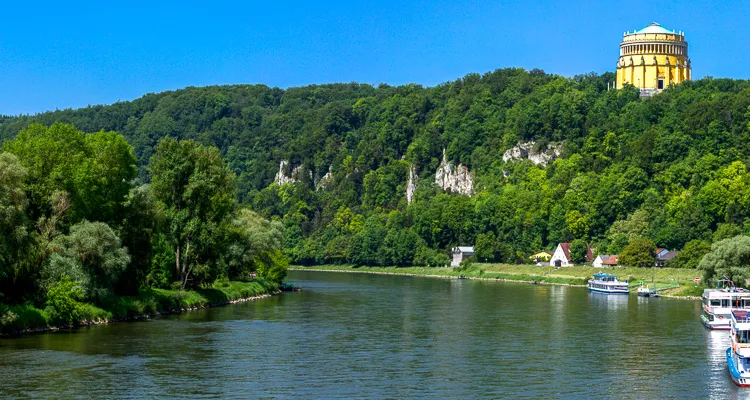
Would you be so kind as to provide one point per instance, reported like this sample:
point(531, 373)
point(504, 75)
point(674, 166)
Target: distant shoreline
point(451, 274)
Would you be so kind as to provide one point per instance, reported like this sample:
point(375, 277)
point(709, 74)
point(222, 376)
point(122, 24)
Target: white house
point(461, 253)
point(605, 260)
point(561, 256)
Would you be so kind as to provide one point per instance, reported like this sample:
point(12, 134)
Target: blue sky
point(55, 55)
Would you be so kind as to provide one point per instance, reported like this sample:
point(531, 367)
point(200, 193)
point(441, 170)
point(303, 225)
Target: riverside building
point(653, 58)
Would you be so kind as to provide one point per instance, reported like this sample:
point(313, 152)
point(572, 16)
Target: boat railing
point(741, 318)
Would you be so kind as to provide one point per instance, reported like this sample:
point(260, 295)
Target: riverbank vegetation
point(681, 280)
point(81, 242)
point(68, 309)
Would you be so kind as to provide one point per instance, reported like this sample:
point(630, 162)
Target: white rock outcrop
point(294, 176)
point(326, 181)
point(411, 185)
point(526, 151)
point(456, 179)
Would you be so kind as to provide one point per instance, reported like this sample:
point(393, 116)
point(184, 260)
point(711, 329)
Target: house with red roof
point(561, 256)
point(605, 260)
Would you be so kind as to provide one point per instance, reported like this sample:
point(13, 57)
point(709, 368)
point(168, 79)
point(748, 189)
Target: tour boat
point(606, 283)
point(738, 354)
point(718, 304)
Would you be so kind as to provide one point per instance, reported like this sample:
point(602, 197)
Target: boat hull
point(733, 373)
point(608, 291)
point(715, 326)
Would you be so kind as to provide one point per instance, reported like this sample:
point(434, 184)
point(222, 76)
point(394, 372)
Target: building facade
point(461, 253)
point(653, 58)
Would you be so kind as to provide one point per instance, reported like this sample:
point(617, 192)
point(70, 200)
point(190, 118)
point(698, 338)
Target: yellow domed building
point(653, 58)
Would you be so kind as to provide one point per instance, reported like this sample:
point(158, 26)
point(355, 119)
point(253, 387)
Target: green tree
point(95, 170)
point(691, 255)
point(141, 225)
point(726, 231)
point(485, 246)
point(639, 253)
point(196, 189)
point(94, 249)
point(15, 238)
point(578, 251)
point(728, 258)
point(254, 241)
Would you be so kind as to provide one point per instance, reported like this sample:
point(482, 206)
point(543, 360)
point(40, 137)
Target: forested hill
point(672, 168)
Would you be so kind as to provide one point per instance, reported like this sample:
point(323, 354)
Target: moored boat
point(645, 291)
point(738, 354)
point(718, 304)
point(606, 283)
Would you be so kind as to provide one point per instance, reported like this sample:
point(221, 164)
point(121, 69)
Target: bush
point(17, 318)
point(64, 302)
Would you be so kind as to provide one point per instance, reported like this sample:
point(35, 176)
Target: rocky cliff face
point(526, 151)
point(326, 181)
point(454, 179)
point(285, 176)
point(411, 185)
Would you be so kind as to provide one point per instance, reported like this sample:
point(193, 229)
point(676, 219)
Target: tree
point(15, 238)
point(95, 170)
point(726, 231)
point(691, 255)
point(254, 241)
point(142, 223)
point(484, 247)
point(639, 253)
point(578, 251)
point(91, 255)
point(728, 258)
point(196, 189)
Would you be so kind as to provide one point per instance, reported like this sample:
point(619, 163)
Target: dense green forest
point(671, 168)
point(76, 234)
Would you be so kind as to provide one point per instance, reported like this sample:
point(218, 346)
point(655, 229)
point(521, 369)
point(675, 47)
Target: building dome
point(654, 27)
point(652, 59)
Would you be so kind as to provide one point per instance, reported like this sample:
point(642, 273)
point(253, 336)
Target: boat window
point(716, 302)
point(743, 336)
point(725, 302)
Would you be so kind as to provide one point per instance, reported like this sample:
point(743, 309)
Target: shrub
point(64, 302)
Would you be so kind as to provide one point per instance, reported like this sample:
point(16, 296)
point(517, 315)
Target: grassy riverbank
point(681, 278)
point(149, 302)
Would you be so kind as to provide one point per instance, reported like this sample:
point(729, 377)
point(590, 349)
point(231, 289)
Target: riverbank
point(149, 303)
point(681, 279)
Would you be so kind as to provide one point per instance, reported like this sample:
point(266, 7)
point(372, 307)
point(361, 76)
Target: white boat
point(719, 303)
point(738, 354)
point(606, 283)
point(645, 291)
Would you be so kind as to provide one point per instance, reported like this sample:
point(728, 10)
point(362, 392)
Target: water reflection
point(609, 301)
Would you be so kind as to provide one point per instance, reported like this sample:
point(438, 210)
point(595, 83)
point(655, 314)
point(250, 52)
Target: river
point(380, 336)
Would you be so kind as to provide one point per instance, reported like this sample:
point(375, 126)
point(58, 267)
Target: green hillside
point(671, 168)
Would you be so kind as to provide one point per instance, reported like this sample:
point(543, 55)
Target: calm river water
point(376, 336)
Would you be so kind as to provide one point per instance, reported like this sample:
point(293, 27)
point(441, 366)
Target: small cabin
point(461, 253)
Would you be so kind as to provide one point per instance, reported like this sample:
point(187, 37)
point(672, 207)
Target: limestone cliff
point(454, 179)
point(411, 185)
point(326, 181)
point(286, 176)
point(526, 151)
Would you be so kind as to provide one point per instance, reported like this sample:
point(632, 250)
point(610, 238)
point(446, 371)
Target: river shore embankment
point(681, 281)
